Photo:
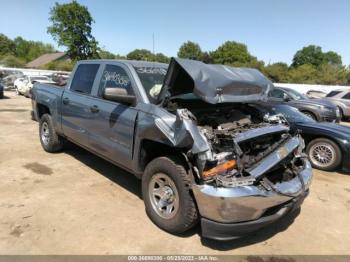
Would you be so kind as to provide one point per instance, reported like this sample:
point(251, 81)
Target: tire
point(17, 91)
point(173, 175)
point(324, 154)
point(49, 139)
point(341, 114)
point(311, 115)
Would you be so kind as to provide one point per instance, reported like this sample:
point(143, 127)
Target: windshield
point(152, 80)
point(292, 114)
point(296, 95)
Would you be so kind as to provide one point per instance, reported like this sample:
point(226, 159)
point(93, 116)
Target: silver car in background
point(341, 98)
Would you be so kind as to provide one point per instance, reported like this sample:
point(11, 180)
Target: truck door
point(112, 131)
point(76, 104)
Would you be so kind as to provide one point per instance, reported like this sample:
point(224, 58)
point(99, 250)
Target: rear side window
point(333, 93)
point(84, 78)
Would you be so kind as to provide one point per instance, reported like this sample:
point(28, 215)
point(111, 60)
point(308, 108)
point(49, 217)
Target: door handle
point(94, 109)
point(65, 101)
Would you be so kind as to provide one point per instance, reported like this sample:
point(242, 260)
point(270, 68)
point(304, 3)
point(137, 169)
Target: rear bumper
point(229, 209)
point(224, 231)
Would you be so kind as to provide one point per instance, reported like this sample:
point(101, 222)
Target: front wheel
point(49, 139)
point(324, 154)
point(166, 191)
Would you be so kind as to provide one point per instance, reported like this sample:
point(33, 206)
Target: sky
point(273, 30)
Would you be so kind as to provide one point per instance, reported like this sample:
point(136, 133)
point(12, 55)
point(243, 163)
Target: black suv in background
point(318, 109)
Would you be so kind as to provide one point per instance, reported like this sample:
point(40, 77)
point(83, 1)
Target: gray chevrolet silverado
point(188, 130)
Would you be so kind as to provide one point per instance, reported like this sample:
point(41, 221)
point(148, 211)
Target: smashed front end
point(249, 170)
point(253, 175)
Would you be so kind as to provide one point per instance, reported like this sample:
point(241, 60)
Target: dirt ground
point(76, 203)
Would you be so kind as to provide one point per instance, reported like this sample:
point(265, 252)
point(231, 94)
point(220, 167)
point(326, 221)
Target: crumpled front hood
point(215, 83)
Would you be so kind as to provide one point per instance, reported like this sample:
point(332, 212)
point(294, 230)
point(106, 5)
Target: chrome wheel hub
point(45, 133)
point(322, 154)
point(164, 196)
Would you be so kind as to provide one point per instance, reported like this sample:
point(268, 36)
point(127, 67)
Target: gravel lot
point(76, 203)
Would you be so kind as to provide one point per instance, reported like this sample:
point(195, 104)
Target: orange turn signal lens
point(229, 165)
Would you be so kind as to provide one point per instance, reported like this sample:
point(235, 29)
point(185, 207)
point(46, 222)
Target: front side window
point(115, 77)
point(276, 93)
point(152, 79)
point(296, 95)
point(84, 78)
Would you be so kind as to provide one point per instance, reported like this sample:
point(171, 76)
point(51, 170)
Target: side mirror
point(119, 95)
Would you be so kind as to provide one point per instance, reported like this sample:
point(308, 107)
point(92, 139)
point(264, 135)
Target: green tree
point(12, 61)
point(140, 54)
point(59, 65)
point(311, 55)
point(190, 50)
point(7, 46)
point(332, 58)
point(231, 52)
point(252, 63)
point(277, 72)
point(104, 54)
point(329, 74)
point(304, 74)
point(160, 57)
point(71, 27)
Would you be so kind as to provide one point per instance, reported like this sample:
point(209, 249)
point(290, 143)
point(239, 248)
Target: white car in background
point(24, 84)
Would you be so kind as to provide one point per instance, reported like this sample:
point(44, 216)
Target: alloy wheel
point(322, 154)
point(164, 195)
point(45, 133)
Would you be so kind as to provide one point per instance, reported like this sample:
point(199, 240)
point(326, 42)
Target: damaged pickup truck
point(188, 130)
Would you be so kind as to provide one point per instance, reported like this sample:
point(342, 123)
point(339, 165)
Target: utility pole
point(153, 42)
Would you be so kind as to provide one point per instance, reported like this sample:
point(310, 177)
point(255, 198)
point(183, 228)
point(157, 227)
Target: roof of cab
point(136, 63)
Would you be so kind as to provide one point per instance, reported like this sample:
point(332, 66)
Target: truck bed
point(48, 96)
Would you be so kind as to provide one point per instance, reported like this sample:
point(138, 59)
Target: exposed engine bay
point(240, 138)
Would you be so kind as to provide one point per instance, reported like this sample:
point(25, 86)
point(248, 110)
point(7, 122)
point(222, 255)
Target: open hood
point(215, 83)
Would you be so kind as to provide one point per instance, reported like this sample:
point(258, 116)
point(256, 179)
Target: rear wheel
point(49, 139)
point(166, 187)
point(324, 154)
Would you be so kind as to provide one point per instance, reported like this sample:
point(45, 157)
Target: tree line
point(71, 28)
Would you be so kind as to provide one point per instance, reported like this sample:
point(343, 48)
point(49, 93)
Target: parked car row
point(319, 109)
point(23, 85)
point(341, 98)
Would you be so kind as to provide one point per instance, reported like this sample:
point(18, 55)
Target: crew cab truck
point(188, 130)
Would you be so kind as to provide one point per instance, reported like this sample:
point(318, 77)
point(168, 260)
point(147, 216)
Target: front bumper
point(224, 231)
point(329, 116)
point(228, 213)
